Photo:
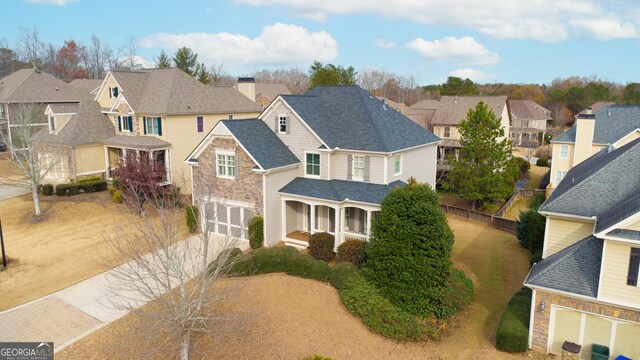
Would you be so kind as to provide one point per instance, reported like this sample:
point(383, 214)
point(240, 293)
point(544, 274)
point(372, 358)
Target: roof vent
point(609, 112)
point(370, 97)
point(455, 99)
point(56, 88)
point(610, 148)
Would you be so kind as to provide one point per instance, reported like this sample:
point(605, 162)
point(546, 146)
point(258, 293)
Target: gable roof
point(612, 123)
point(528, 110)
point(428, 104)
point(64, 108)
point(172, 91)
point(347, 117)
point(35, 86)
point(574, 269)
point(88, 85)
point(87, 126)
point(454, 109)
point(604, 185)
point(339, 190)
point(271, 91)
point(625, 234)
point(261, 143)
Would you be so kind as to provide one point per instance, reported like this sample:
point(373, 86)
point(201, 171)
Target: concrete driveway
point(9, 191)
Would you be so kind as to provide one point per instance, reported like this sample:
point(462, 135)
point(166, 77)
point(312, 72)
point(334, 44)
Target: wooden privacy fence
point(519, 194)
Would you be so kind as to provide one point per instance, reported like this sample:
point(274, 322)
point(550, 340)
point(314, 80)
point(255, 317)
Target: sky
point(509, 41)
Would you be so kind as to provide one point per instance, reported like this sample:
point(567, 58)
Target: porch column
point(283, 219)
point(368, 230)
point(340, 226)
point(336, 225)
point(312, 221)
point(107, 173)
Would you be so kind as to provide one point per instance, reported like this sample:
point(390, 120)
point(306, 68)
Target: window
point(525, 123)
point(226, 165)
point(283, 124)
point(125, 123)
point(1, 111)
point(634, 267)
point(52, 125)
point(312, 164)
point(358, 167)
point(447, 132)
point(230, 117)
point(564, 151)
point(559, 176)
point(114, 92)
point(397, 165)
point(153, 126)
point(200, 123)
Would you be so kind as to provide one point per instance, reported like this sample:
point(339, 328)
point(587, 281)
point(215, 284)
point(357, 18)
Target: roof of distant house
point(87, 84)
point(172, 91)
point(428, 104)
point(612, 123)
point(396, 105)
point(339, 190)
point(528, 110)
point(35, 86)
point(596, 106)
point(454, 109)
point(87, 126)
point(348, 117)
point(271, 91)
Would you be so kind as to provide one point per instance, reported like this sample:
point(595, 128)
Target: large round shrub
point(321, 246)
point(544, 162)
point(352, 251)
point(256, 232)
point(409, 256)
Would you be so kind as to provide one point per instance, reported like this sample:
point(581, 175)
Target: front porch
point(115, 155)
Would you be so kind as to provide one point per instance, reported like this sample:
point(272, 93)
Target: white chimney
point(247, 86)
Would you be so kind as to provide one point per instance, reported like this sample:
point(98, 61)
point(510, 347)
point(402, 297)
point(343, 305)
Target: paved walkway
point(72, 313)
point(9, 191)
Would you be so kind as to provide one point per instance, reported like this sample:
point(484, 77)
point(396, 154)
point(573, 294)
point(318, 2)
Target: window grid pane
point(313, 164)
point(358, 167)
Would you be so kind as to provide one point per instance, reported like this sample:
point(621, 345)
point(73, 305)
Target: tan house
point(262, 94)
point(528, 122)
point(399, 106)
point(164, 114)
point(586, 289)
point(614, 125)
point(423, 112)
point(317, 162)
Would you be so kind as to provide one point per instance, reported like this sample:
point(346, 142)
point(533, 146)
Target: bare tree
point(296, 80)
point(31, 46)
point(126, 56)
point(217, 73)
point(96, 58)
point(373, 80)
point(34, 158)
point(177, 275)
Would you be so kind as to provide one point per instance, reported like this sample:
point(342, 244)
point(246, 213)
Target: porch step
point(296, 243)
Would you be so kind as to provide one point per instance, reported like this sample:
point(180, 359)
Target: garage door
point(588, 329)
point(226, 219)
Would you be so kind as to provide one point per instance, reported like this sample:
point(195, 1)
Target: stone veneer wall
point(246, 187)
point(541, 320)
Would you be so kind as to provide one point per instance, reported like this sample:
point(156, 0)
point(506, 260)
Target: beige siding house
point(528, 122)
point(586, 289)
point(263, 94)
point(324, 164)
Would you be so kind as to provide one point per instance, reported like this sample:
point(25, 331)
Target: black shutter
point(634, 266)
point(119, 123)
point(144, 124)
point(160, 126)
point(130, 120)
point(350, 167)
point(367, 162)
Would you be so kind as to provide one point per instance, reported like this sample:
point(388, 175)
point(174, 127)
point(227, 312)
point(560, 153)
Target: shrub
point(522, 164)
point(545, 180)
point(67, 189)
point(544, 162)
point(513, 332)
point(537, 200)
point(530, 230)
point(353, 251)
point(90, 186)
point(192, 218)
point(47, 189)
point(230, 255)
point(115, 195)
point(342, 273)
point(321, 246)
point(536, 256)
point(89, 179)
point(256, 232)
point(318, 357)
point(283, 259)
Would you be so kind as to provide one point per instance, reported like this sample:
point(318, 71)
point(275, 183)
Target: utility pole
point(4, 256)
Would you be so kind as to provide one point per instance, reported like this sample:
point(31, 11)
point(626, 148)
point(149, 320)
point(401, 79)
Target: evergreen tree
point(330, 74)
point(409, 256)
point(484, 171)
point(186, 60)
point(163, 61)
point(203, 74)
point(457, 86)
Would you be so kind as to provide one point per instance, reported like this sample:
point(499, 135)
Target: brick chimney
point(247, 86)
point(585, 126)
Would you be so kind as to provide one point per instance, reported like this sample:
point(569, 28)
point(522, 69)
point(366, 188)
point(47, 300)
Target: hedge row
point(513, 331)
point(87, 186)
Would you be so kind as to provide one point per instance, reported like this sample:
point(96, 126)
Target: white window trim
point(153, 124)
point(444, 132)
point(319, 165)
point(558, 172)
point(235, 164)
point(566, 156)
point(353, 167)
point(122, 122)
point(394, 165)
point(286, 123)
point(52, 129)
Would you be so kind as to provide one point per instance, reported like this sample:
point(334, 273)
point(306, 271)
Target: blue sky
point(489, 41)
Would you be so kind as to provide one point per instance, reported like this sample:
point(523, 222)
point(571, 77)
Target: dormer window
point(113, 92)
point(282, 124)
point(125, 123)
point(52, 125)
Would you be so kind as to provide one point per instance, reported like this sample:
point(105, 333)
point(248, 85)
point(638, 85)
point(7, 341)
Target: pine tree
point(484, 171)
point(186, 60)
point(330, 74)
point(203, 74)
point(163, 61)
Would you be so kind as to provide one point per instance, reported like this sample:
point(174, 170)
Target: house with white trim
point(316, 162)
point(586, 289)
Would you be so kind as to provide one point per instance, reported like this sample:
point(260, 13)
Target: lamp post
point(4, 256)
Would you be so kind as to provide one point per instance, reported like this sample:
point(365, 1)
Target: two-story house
point(612, 125)
point(586, 289)
point(453, 109)
point(528, 122)
point(263, 94)
point(316, 162)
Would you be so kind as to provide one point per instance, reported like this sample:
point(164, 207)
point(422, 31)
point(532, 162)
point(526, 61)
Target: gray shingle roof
point(599, 184)
point(137, 142)
point(627, 207)
point(87, 126)
point(528, 110)
point(625, 234)
point(347, 117)
point(612, 123)
point(453, 109)
point(575, 269)
point(29, 85)
point(172, 91)
point(339, 190)
point(261, 143)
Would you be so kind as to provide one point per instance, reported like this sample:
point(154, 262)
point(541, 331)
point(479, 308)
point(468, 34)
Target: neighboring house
point(528, 122)
point(423, 112)
point(453, 109)
point(586, 289)
point(32, 86)
point(613, 125)
point(262, 94)
point(400, 107)
point(164, 113)
point(316, 162)
point(90, 85)
point(595, 107)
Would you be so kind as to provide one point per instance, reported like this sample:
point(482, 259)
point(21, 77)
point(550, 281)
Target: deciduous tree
point(96, 58)
point(68, 61)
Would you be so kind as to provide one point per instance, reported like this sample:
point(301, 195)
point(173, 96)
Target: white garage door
point(228, 219)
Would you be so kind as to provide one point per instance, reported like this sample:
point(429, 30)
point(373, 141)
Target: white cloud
point(278, 44)
point(50, 2)
point(385, 44)
point(542, 20)
point(475, 75)
point(465, 50)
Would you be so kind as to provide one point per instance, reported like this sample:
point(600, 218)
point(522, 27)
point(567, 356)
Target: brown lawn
point(535, 176)
point(284, 317)
point(66, 245)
